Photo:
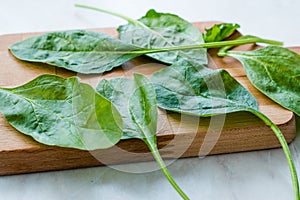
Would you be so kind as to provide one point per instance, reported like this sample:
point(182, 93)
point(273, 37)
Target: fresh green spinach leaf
point(137, 104)
point(275, 71)
point(143, 109)
point(62, 112)
point(81, 51)
point(205, 92)
point(219, 32)
point(200, 91)
point(160, 30)
point(119, 91)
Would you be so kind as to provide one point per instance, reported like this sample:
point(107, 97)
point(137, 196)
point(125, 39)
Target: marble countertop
point(251, 175)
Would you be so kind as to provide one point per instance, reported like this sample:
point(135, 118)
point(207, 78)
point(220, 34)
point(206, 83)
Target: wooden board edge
point(49, 158)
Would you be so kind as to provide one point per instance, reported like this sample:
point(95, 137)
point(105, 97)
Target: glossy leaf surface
point(80, 51)
point(160, 30)
point(62, 112)
point(200, 91)
point(275, 71)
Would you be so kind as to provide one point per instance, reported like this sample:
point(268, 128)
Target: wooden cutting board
point(178, 135)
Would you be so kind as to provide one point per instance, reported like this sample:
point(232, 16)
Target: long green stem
point(165, 171)
point(286, 151)
point(211, 45)
point(128, 19)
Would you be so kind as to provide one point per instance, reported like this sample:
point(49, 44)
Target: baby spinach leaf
point(143, 109)
point(200, 91)
point(119, 91)
point(161, 30)
point(205, 92)
point(220, 32)
point(275, 71)
point(136, 99)
point(80, 51)
point(62, 112)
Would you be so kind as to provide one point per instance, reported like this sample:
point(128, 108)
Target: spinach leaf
point(62, 112)
point(219, 32)
point(161, 30)
point(200, 91)
point(205, 92)
point(136, 99)
point(275, 71)
point(119, 91)
point(143, 110)
point(81, 51)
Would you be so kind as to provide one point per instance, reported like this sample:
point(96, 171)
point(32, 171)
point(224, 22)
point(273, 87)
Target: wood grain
point(178, 135)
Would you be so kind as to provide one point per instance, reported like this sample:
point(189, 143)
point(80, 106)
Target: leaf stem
point(165, 171)
point(285, 148)
point(213, 45)
point(128, 19)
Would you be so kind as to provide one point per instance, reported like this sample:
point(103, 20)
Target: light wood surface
point(178, 135)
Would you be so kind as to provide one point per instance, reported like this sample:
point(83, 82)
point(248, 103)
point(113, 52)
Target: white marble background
point(255, 175)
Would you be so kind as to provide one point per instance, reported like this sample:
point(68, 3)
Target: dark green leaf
point(143, 109)
point(200, 91)
point(132, 98)
point(80, 51)
point(160, 30)
point(61, 112)
point(275, 71)
point(118, 91)
point(219, 32)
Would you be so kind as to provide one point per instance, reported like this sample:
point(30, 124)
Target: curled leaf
point(220, 32)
